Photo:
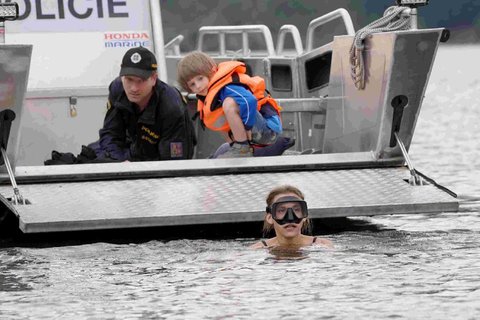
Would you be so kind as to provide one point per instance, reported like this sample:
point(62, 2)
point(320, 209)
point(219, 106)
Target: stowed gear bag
point(87, 155)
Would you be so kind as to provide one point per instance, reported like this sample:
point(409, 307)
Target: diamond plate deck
point(94, 205)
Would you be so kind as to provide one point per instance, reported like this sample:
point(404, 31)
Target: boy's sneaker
point(238, 150)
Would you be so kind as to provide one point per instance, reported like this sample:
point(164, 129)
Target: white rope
point(392, 20)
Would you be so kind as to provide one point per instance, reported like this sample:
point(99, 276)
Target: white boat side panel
point(14, 72)
point(219, 199)
point(82, 44)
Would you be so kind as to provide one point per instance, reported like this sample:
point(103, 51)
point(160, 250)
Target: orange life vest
point(231, 72)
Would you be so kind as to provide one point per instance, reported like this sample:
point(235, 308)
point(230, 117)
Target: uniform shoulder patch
point(176, 149)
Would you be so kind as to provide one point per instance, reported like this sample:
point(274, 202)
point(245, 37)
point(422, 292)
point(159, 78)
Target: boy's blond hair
point(194, 64)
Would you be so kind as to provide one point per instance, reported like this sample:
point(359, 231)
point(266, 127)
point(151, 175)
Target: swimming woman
point(287, 214)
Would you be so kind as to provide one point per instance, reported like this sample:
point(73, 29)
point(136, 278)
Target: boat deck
point(214, 199)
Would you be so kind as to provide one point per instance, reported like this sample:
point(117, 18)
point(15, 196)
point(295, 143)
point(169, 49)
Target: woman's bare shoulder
point(323, 242)
point(257, 245)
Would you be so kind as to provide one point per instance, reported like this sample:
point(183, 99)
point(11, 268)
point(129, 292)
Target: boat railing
point(297, 39)
point(304, 120)
point(326, 18)
point(245, 31)
point(173, 46)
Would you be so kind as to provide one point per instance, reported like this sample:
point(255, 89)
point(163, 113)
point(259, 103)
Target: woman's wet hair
point(267, 228)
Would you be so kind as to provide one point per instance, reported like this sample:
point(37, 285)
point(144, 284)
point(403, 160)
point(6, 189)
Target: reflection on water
point(288, 253)
point(422, 266)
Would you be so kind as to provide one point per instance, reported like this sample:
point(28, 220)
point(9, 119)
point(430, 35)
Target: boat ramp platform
point(193, 192)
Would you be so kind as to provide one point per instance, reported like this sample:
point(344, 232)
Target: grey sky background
point(461, 17)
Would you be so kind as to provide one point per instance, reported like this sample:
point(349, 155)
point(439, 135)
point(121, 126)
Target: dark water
point(424, 266)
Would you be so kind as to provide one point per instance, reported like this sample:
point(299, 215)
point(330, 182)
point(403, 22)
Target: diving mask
point(288, 210)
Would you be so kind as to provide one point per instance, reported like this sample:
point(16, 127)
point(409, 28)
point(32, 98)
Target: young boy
point(231, 102)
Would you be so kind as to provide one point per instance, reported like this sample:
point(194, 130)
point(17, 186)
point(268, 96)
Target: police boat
point(350, 100)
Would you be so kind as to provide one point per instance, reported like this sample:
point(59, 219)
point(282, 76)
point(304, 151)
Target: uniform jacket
point(163, 131)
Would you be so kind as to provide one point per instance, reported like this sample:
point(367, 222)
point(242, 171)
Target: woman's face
point(287, 230)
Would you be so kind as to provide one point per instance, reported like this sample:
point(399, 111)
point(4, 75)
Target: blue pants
point(261, 134)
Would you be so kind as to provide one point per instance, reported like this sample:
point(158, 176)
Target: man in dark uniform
point(146, 118)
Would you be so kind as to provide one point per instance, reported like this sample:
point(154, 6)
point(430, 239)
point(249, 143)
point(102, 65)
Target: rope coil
point(392, 20)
